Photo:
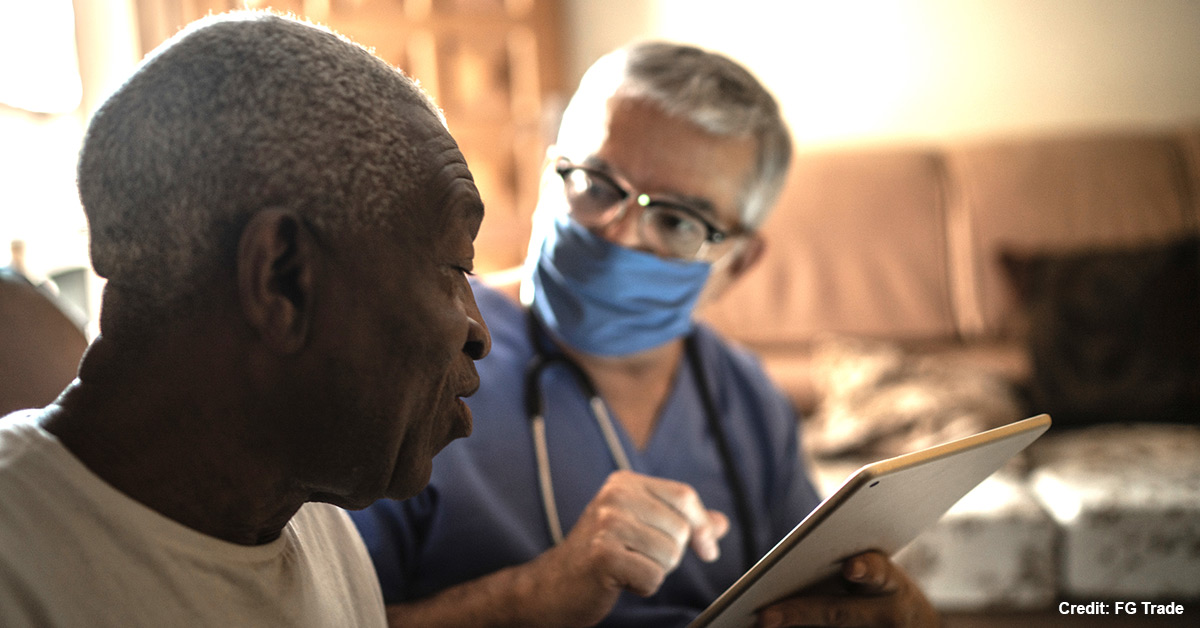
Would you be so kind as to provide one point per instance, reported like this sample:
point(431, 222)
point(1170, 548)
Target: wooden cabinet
point(493, 66)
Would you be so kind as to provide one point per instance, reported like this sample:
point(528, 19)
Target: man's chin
point(341, 501)
point(465, 424)
point(410, 483)
point(401, 487)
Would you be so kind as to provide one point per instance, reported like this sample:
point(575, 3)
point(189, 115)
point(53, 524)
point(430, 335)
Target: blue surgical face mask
point(605, 299)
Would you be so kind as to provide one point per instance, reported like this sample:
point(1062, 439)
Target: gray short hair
point(708, 90)
point(236, 113)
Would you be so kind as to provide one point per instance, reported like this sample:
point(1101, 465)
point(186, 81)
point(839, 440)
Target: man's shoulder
point(325, 521)
point(19, 434)
point(35, 509)
point(737, 369)
point(730, 354)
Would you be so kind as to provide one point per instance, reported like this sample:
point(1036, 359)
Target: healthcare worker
point(627, 464)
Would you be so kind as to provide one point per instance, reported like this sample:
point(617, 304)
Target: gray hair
point(705, 88)
point(236, 113)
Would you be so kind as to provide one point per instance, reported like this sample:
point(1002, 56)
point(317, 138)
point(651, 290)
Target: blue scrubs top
point(482, 510)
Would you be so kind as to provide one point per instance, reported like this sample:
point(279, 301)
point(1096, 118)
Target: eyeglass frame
point(715, 235)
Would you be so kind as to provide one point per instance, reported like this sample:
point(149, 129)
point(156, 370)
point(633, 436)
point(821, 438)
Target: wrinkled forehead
point(447, 187)
point(399, 185)
point(432, 151)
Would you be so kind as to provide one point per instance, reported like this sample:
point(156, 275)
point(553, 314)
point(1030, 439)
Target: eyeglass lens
point(595, 201)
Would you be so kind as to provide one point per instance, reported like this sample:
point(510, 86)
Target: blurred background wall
point(877, 71)
point(851, 72)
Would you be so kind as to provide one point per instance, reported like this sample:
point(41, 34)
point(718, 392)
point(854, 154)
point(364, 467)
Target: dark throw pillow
point(1114, 334)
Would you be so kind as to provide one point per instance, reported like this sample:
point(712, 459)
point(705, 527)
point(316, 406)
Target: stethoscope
point(534, 409)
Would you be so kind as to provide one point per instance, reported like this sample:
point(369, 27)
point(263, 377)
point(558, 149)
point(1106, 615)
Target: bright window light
point(39, 67)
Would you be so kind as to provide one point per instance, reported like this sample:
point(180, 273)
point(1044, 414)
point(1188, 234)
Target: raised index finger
point(682, 498)
point(707, 527)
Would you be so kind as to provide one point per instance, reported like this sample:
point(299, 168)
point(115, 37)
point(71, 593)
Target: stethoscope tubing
point(543, 360)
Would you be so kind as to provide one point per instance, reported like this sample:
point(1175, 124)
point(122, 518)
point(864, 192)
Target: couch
point(910, 294)
point(40, 344)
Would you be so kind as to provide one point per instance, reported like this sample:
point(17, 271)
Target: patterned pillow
point(1114, 334)
point(878, 401)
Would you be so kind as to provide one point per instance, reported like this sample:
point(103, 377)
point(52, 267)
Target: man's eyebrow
point(475, 209)
point(471, 207)
point(594, 162)
point(698, 203)
point(472, 212)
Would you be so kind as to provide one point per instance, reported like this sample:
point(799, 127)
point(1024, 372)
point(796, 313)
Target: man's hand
point(876, 593)
point(629, 537)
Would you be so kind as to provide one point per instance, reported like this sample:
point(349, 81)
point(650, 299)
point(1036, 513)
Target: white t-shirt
point(74, 551)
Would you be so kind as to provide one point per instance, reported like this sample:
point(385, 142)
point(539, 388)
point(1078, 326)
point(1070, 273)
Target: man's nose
point(479, 339)
point(624, 230)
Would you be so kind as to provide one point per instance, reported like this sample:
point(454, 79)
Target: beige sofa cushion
point(1189, 139)
point(40, 347)
point(856, 246)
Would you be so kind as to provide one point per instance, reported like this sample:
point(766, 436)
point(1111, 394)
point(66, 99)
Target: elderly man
point(286, 228)
point(618, 433)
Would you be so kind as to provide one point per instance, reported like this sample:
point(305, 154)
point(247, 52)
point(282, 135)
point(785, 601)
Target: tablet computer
point(882, 506)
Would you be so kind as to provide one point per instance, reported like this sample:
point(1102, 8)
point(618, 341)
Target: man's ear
point(749, 255)
point(548, 161)
point(745, 257)
point(275, 272)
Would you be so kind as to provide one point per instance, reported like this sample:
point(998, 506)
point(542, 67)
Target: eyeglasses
point(670, 229)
